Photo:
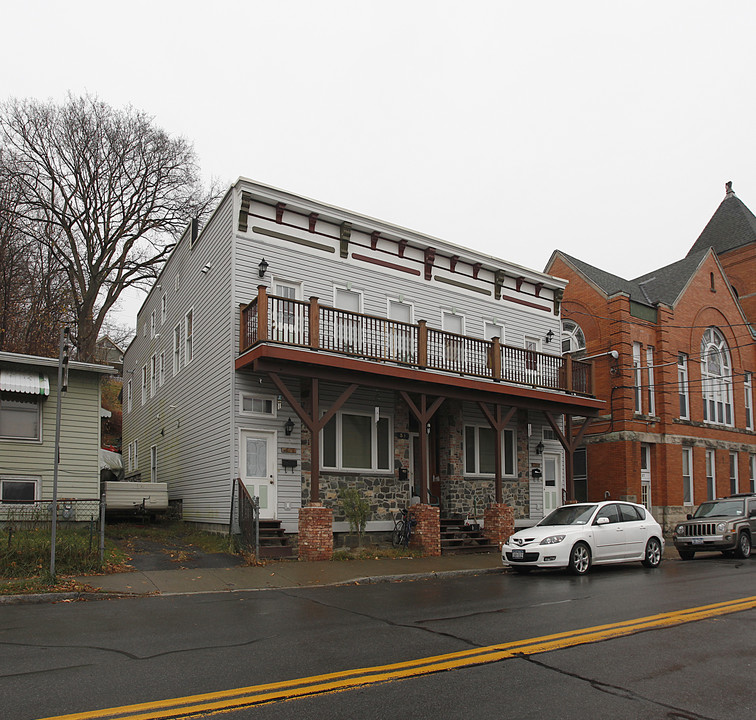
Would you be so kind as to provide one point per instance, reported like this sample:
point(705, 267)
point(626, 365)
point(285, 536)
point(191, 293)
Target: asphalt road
point(76, 657)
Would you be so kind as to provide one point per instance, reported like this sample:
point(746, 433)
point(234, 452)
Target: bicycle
point(403, 526)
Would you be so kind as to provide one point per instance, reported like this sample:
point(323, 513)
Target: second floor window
point(176, 349)
point(188, 337)
point(650, 369)
point(748, 388)
point(682, 385)
point(637, 377)
point(716, 378)
point(573, 339)
point(144, 384)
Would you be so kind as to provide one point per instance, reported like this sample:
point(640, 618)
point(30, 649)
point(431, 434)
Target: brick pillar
point(426, 535)
point(498, 523)
point(315, 533)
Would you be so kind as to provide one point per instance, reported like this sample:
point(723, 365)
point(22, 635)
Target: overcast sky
point(604, 129)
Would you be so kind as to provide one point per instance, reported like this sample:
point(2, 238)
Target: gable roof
point(663, 285)
point(731, 226)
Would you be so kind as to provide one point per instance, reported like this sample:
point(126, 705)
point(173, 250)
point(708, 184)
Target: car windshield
point(569, 515)
point(719, 508)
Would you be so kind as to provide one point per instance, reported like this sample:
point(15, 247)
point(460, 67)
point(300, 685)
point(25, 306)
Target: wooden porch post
point(314, 322)
point(423, 415)
point(498, 424)
point(422, 344)
point(262, 312)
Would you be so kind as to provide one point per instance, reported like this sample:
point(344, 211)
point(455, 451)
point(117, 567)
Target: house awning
point(32, 383)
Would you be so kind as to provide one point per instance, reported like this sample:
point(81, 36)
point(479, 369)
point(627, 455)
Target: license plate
point(518, 554)
point(696, 541)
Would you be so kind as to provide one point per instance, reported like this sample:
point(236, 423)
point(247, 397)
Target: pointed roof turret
point(731, 226)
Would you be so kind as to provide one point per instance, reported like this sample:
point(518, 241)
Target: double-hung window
point(152, 324)
point(748, 388)
point(20, 415)
point(733, 473)
point(687, 475)
point(188, 337)
point(711, 476)
point(357, 441)
point(480, 447)
point(637, 378)
point(153, 375)
point(161, 369)
point(176, 349)
point(682, 385)
point(128, 396)
point(144, 384)
point(650, 370)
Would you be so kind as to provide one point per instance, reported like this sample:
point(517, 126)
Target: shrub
point(356, 509)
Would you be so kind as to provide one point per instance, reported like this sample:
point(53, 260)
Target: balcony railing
point(269, 318)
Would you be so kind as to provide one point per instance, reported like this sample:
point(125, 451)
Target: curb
point(376, 579)
point(38, 598)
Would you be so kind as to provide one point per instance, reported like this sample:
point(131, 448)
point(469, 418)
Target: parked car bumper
point(541, 556)
point(727, 541)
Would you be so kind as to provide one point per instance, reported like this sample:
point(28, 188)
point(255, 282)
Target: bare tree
point(104, 190)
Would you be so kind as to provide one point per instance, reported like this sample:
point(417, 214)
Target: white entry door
point(552, 481)
point(646, 476)
point(258, 469)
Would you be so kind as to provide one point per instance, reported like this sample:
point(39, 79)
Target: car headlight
point(680, 529)
point(552, 540)
point(721, 527)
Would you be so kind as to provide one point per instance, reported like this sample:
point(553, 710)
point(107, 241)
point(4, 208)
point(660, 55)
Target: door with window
point(646, 476)
point(552, 473)
point(257, 468)
point(347, 329)
point(288, 315)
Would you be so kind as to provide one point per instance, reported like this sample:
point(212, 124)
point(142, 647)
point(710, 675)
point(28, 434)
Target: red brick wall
point(315, 533)
point(498, 523)
point(426, 535)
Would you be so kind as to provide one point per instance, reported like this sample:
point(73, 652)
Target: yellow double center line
point(332, 682)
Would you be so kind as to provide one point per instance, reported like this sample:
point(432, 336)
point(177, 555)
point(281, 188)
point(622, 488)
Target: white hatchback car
point(579, 535)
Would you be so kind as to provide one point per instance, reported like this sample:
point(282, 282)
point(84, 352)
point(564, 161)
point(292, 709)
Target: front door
point(434, 486)
point(257, 466)
point(552, 495)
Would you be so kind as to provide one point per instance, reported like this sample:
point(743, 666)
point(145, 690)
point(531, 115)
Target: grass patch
point(25, 551)
point(171, 533)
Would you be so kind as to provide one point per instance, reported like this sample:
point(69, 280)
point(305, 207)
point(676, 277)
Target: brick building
point(673, 354)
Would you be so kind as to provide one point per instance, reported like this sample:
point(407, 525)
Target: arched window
point(716, 378)
point(573, 339)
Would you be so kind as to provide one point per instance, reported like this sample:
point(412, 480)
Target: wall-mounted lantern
point(262, 268)
point(289, 426)
point(539, 449)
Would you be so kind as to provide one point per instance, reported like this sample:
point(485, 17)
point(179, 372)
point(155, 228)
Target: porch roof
point(300, 362)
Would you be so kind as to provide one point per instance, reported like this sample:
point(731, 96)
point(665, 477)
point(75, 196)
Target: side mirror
point(689, 516)
point(602, 521)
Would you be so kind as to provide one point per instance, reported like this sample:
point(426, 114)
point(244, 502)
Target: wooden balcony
point(273, 319)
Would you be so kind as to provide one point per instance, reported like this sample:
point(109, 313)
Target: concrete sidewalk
point(288, 574)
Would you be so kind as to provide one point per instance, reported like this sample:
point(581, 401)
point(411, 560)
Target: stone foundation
point(315, 533)
point(426, 535)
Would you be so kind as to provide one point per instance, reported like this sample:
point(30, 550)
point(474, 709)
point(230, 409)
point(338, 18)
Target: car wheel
point(653, 553)
point(686, 554)
point(521, 569)
point(744, 545)
point(580, 559)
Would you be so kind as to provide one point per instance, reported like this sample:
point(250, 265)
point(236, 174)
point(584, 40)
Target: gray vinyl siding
point(189, 417)
point(79, 467)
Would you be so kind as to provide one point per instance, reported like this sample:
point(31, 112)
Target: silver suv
point(727, 524)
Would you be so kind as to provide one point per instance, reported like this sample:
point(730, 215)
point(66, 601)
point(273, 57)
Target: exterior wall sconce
point(549, 336)
point(539, 449)
point(262, 268)
point(289, 427)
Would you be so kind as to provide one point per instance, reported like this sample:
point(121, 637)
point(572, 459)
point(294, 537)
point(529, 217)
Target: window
point(188, 337)
point(711, 478)
point(573, 339)
point(452, 322)
point(637, 377)
point(136, 455)
point(144, 384)
point(716, 376)
point(402, 343)
point(176, 349)
point(355, 441)
point(687, 475)
point(400, 311)
point(128, 396)
point(163, 308)
point(347, 332)
point(733, 473)
point(153, 375)
point(650, 370)
point(492, 330)
point(18, 489)
point(152, 324)
point(153, 464)
point(480, 445)
point(752, 472)
point(256, 405)
point(748, 387)
point(161, 369)
point(533, 346)
point(130, 458)
point(289, 321)
point(682, 385)
point(20, 415)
